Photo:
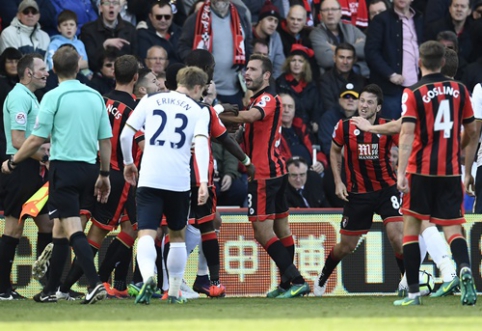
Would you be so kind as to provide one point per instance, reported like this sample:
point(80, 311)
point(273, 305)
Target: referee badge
point(21, 118)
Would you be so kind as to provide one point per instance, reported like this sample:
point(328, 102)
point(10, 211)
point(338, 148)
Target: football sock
point(458, 246)
point(8, 246)
point(43, 239)
point(193, 238)
point(176, 263)
point(85, 258)
point(281, 258)
point(146, 256)
point(118, 250)
point(401, 265)
point(60, 252)
point(165, 250)
point(76, 271)
point(159, 268)
point(411, 253)
point(136, 277)
point(423, 247)
point(438, 251)
point(210, 247)
point(330, 264)
point(121, 271)
point(289, 244)
point(202, 264)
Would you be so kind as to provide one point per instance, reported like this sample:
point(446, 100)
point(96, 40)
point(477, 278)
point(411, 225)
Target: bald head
point(296, 19)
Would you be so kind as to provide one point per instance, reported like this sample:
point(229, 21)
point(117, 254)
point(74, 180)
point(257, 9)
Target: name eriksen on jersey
point(436, 91)
point(172, 101)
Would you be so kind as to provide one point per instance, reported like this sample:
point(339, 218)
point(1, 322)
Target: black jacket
point(332, 83)
point(146, 38)
point(313, 193)
point(93, 35)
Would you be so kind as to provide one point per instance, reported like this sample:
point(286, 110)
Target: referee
point(75, 118)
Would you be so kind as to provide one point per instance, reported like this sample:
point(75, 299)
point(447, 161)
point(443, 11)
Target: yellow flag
point(35, 204)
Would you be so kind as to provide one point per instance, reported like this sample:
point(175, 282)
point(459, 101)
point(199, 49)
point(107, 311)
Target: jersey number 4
point(178, 129)
point(442, 119)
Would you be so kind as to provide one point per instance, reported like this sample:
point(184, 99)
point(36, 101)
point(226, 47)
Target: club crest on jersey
point(264, 100)
point(367, 151)
point(356, 132)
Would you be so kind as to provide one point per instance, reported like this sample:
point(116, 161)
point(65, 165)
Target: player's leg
point(8, 246)
point(44, 238)
point(283, 232)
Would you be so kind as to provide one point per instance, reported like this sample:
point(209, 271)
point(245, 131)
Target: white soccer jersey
point(477, 106)
point(171, 120)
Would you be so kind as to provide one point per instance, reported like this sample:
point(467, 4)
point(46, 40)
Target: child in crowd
point(67, 26)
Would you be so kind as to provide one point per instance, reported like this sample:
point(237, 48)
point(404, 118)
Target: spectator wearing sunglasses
point(108, 32)
point(24, 31)
point(103, 80)
point(161, 31)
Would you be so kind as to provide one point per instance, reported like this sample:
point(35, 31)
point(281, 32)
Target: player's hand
point(318, 167)
point(102, 189)
point(131, 175)
point(211, 93)
point(5, 168)
point(402, 184)
point(341, 192)
point(230, 108)
point(115, 42)
point(362, 123)
point(469, 184)
point(202, 195)
point(226, 183)
point(251, 171)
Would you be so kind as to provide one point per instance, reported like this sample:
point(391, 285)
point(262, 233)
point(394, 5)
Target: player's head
point(258, 72)
point(146, 84)
point(451, 63)
point(370, 103)
point(193, 80)
point(297, 168)
point(66, 62)
point(202, 59)
point(125, 69)
point(432, 55)
point(171, 75)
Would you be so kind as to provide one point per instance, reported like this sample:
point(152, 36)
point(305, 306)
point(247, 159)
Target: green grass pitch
point(252, 314)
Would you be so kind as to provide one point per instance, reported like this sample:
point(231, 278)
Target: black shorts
point(19, 186)
point(206, 212)
point(152, 203)
point(267, 199)
point(71, 188)
point(437, 199)
point(120, 206)
point(358, 212)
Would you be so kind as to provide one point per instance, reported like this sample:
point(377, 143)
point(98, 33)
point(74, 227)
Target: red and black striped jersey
point(263, 138)
point(439, 107)
point(367, 157)
point(119, 106)
point(216, 130)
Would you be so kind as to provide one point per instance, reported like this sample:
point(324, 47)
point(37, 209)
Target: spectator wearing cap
point(266, 30)
point(293, 30)
point(346, 108)
point(335, 79)
point(305, 186)
point(109, 31)
point(24, 31)
point(255, 7)
point(160, 31)
point(458, 21)
point(331, 32)
point(297, 81)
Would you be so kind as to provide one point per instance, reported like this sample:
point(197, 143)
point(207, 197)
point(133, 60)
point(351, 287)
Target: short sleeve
point(45, 118)
point(138, 116)
point(409, 106)
point(217, 127)
point(338, 133)
point(202, 124)
point(18, 110)
point(105, 129)
point(477, 101)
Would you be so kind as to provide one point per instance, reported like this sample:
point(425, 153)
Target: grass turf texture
point(331, 313)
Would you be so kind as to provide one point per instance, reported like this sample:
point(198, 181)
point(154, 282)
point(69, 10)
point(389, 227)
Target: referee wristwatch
point(10, 164)
point(105, 173)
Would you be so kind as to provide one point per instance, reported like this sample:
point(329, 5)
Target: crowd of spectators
point(323, 53)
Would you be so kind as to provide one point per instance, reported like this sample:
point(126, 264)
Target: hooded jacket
point(24, 38)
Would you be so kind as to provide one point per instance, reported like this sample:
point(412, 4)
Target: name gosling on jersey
point(438, 90)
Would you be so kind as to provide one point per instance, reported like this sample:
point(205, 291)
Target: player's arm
point(201, 151)
point(126, 140)
point(407, 135)
point(389, 128)
point(248, 116)
point(18, 139)
point(28, 148)
point(232, 147)
point(336, 163)
point(472, 132)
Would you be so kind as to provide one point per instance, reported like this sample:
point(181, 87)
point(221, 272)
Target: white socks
point(437, 248)
point(176, 263)
point(146, 256)
point(193, 238)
